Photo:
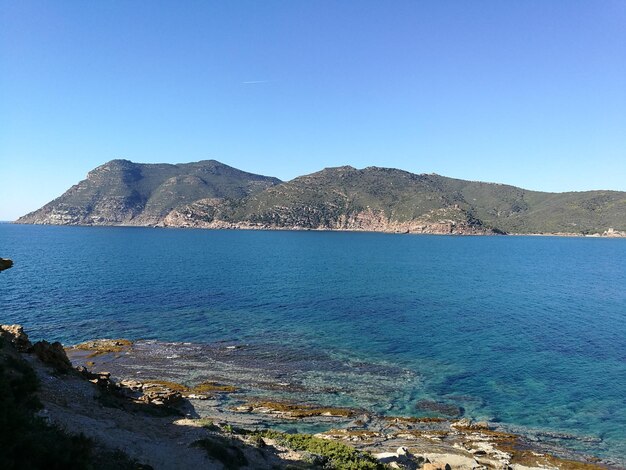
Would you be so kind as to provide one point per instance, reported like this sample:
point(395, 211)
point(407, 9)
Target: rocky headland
point(109, 406)
point(209, 194)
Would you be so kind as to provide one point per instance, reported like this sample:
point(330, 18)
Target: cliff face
point(344, 198)
point(204, 214)
point(212, 195)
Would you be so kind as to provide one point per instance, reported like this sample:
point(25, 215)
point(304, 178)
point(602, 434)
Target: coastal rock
point(467, 424)
point(157, 394)
point(455, 461)
point(401, 458)
point(53, 355)
point(5, 264)
point(86, 373)
point(104, 346)
point(132, 385)
point(463, 423)
point(291, 410)
point(103, 379)
point(195, 396)
point(243, 409)
point(612, 233)
point(15, 334)
point(436, 466)
point(403, 451)
point(481, 425)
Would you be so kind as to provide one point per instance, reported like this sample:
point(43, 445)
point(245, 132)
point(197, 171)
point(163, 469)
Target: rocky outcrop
point(53, 355)
point(97, 347)
point(612, 233)
point(159, 394)
point(16, 336)
point(5, 264)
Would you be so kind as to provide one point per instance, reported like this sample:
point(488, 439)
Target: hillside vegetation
point(121, 192)
point(212, 195)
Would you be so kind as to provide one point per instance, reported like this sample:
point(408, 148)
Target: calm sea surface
point(525, 331)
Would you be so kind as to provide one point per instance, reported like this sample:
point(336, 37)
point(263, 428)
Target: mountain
point(384, 199)
point(121, 192)
point(342, 198)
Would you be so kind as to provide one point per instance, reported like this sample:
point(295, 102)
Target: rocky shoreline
point(449, 221)
point(83, 392)
point(443, 227)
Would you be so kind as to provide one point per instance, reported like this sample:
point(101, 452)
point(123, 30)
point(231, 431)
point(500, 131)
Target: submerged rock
point(293, 410)
point(445, 409)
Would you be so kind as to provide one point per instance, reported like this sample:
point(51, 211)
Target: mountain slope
point(378, 199)
point(212, 195)
point(517, 210)
point(384, 199)
point(121, 192)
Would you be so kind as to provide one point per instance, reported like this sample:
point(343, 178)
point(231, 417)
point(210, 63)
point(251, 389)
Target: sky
point(524, 92)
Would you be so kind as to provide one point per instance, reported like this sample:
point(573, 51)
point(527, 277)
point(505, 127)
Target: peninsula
point(209, 194)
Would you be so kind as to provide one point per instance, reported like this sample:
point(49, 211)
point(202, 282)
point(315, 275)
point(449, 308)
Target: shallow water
point(526, 331)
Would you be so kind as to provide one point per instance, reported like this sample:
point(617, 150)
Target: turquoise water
point(526, 331)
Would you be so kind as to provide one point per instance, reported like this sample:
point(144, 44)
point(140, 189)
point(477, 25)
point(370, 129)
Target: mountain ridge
point(210, 194)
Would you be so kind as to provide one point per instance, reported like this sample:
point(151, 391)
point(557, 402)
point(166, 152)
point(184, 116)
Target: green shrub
point(336, 454)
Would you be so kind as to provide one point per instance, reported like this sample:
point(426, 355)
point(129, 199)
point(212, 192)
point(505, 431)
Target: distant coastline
point(209, 194)
point(425, 231)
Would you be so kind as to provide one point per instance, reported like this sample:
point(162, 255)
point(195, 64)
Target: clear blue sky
point(526, 92)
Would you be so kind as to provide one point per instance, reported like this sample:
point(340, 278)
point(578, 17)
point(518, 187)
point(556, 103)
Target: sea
point(525, 331)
